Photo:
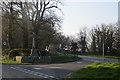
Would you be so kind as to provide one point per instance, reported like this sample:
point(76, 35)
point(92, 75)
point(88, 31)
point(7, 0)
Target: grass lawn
point(98, 71)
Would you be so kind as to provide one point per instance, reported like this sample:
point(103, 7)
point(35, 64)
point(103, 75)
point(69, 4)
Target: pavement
point(48, 70)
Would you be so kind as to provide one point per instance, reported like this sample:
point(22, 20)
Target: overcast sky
point(79, 13)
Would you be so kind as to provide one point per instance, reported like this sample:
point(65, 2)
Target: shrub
point(19, 52)
point(24, 52)
point(5, 52)
point(44, 53)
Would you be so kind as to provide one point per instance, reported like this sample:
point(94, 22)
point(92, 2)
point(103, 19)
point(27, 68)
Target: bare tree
point(41, 9)
point(27, 17)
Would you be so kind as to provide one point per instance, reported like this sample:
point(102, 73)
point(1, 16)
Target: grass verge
point(11, 61)
point(100, 56)
point(98, 71)
point(60, 58)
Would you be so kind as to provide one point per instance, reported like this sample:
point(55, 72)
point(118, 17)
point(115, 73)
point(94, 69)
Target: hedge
point(25, 52)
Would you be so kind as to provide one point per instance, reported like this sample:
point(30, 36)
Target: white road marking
point(78, 62)
point(37, 68)
point(92, 60)
point(32, 72)
point(35, 74)
point(45, 77)
point(55, 67)
point(60, 64)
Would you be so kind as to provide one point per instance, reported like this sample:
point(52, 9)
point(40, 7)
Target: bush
point(24, 52)
point(43, 53)
point(5, 52)
point(19, 52)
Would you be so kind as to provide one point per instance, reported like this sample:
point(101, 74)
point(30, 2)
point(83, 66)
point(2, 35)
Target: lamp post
point(103, 51)
point(103, 48)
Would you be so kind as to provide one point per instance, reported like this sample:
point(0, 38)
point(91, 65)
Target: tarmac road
point(42, 71)
point(55, 71)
